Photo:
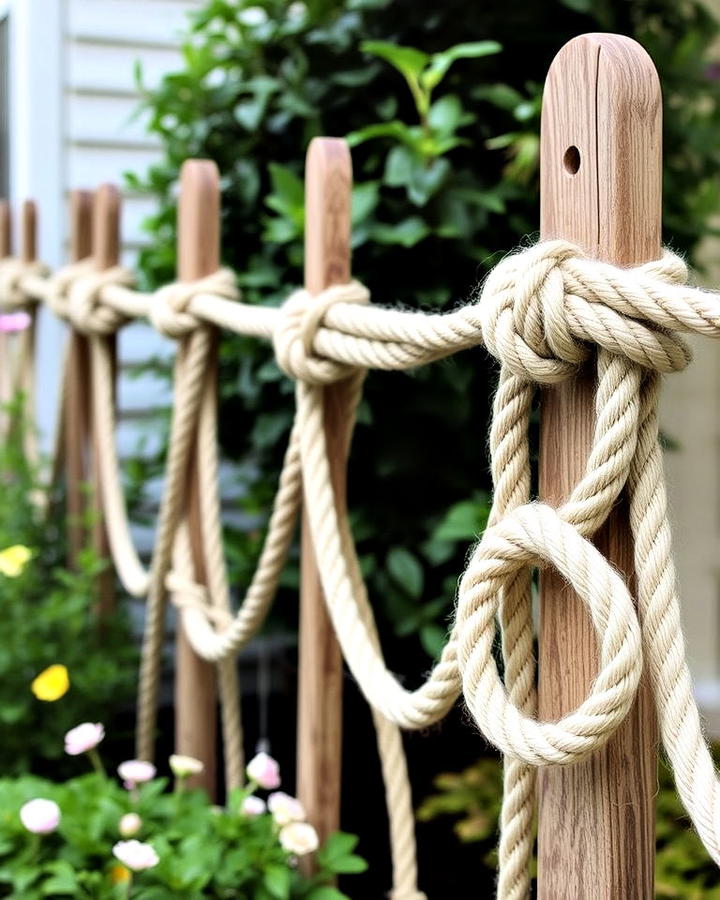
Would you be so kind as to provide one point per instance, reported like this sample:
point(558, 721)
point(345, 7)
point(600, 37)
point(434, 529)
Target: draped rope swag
point(543, 313)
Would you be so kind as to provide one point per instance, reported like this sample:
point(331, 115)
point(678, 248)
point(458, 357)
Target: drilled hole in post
point(571, 160)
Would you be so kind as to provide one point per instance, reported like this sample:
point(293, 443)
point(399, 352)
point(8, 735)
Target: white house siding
point(104, 137)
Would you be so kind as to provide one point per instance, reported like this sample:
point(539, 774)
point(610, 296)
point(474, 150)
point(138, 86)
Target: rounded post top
point(328, 205)
point(198, 219)
point(600, 149)
point(106, 226)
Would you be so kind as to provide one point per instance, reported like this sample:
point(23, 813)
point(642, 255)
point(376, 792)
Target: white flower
point(83, 738)
point(264, 771)
point(136, 771)
point(299, 838)
point(285, 809)
point(183, 766)
point(129, 824)
point(253, 16)
point(296, 10)
point(40, 816)
point(253, 806)
point(135, 855)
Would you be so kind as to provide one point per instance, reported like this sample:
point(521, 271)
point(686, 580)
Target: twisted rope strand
point(543, 313)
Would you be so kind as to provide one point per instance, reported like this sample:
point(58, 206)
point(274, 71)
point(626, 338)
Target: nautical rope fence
point(546, 313)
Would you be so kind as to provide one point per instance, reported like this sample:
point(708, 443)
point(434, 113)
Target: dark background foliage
point(440, 197)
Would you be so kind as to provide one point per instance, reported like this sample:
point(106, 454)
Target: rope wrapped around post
point(542, 312)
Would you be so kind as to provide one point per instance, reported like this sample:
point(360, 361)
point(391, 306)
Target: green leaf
point(365, 198)
point(406, 571)
point(441, 62)
point(446, 115)
point(277, 881)
point(395, 129)
point(406, 233)
point(463, 521)
point(407, 60)
point(326, 893)
point(433, 638)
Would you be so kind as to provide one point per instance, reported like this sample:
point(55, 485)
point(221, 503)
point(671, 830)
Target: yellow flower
point(120, 874)
point(51, 683)
point(14, 559)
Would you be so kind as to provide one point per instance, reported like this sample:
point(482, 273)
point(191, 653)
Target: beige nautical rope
point(541, 312)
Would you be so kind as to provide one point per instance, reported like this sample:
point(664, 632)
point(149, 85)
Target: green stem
point(96, 762)
point(129, 886)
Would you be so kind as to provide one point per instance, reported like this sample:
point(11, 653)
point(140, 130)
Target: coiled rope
point(543, 313)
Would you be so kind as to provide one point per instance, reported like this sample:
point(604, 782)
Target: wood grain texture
point(596, 819)
point(328, 190)
point(106, 254)
point(195, 681)
point(77, 392)
point(28, 232)
point(5, 346)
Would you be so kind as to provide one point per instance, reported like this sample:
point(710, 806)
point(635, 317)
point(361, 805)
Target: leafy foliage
point(683, 868)
point(204, 851)
point(47, 619)
point(445, 149)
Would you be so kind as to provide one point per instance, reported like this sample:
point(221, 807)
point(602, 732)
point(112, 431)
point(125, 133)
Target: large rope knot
point(169, 312)
point(12, 272)
point(86, 310)
point(302, 315)
point(59, 284)
point(544, 308)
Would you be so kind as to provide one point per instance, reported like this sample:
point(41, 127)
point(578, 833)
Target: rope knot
point(169, 307)
point(85, 307)
point(301, 318)
point(542, 309)
point(12, 271)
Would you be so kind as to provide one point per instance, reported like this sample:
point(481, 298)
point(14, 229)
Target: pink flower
point(285, 809)
point(299, 838)
point(264, 771)
point(83, 738)
point(11, 322)
point(136, 771)
point(135, 855)
point(129, 824)
point(253, 806)
point(40, 816)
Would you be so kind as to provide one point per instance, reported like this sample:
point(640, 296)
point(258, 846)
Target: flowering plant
point(56, 664)
point(99, 837)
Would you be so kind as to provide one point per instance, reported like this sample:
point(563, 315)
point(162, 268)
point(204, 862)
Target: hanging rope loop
point(302, 315)
point(536, 534)
point(86, 310)
point(168, 310)
point(544, 308)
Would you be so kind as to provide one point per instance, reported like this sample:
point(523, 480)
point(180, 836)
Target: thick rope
point(541, 312)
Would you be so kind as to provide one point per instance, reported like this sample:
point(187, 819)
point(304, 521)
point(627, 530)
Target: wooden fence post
point(195, 682)
point(601, 188)
point(77, 397)
point(26, 369)
point(328, 191)
point(5, 368)
point(106, 254)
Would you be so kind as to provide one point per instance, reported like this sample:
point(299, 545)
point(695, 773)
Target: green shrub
point(445, 161)
point(204, 851)
point(683, 867)
point(48, 620)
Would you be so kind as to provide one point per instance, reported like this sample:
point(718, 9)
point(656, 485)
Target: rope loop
point(86, 310)
point(302, 315)
point(168, 311)
point(12, 271)
point(544, 308)
point(535, 534)
point(59, 283)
